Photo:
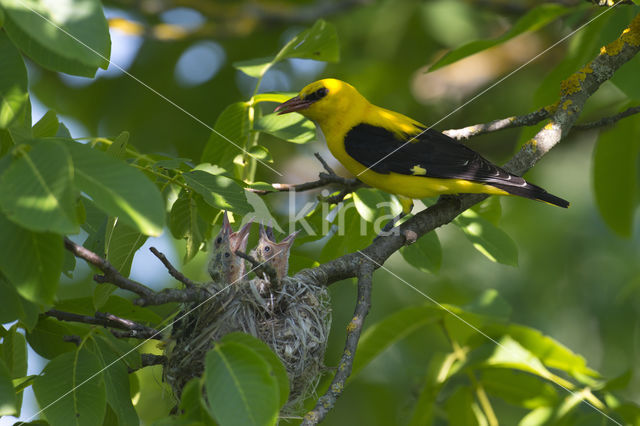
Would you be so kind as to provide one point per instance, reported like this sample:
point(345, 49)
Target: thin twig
point(173, 271)
point(326, 402)
point(261, 268)
point(136, 329)
point(607, 121)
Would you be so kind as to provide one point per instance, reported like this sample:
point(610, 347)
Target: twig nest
point(294, 320)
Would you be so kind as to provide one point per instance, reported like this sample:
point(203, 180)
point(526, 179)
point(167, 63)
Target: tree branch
point(148, 360)
point(147, 296)
point(607, 121)
point(501, 124)
point(354, 329)
point(173, 271)
point(132, 328)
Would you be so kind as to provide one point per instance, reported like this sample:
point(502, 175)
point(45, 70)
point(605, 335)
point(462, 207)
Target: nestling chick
point(273, 253)
point(224, 265)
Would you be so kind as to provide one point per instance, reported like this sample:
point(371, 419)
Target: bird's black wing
point(434, 154)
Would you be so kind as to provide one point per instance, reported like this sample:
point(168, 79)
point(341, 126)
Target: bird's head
point(322, 99)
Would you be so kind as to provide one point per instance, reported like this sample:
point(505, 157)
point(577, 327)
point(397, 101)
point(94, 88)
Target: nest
point(293, 320)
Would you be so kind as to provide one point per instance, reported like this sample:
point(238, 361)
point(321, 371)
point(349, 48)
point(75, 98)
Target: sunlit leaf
point(47, 126)
point(15, 109)
point(70, 36)
point(118, 189)
point(489, 240)
point(292, 128)
point(37, 190)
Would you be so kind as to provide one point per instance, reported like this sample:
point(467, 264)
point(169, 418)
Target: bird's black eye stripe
point(317, 95)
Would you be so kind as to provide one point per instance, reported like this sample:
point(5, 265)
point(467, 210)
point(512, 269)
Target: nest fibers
point(293, 320)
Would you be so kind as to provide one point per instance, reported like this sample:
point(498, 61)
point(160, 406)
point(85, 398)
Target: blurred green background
point(577, 280)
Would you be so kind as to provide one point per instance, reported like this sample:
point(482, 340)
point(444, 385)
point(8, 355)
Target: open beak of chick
point(292, 105)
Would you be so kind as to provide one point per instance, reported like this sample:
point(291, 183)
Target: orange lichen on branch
point(630, 36)
point(566, 104)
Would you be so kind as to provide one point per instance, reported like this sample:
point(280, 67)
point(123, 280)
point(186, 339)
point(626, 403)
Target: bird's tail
point(533, 192)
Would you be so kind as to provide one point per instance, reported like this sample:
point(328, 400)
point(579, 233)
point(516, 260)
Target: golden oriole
point(399, 155)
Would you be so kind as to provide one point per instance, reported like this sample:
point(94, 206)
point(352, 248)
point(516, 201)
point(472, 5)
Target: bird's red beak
point(292, 105)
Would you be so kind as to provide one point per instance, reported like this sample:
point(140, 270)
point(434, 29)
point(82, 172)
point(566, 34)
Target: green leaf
point(15, 109)
point(31, 261)
point(319, 42)
point(489, 240)
point(520, 389)
point(425, 254)
point(71, 390)
point(116, 380)
point(218, 191)
point(490, 304)
point(186, 223)
point(8, 400)
point(192, 404)
point(273, 97)
point(532, 21)
point(256, 67)
point(240, 386)
point(70, 36)
point(292, 128)
point(47, 126)
point(14, 353)
point(15, 307)
point(261, 348)
point(461, 408)
point(510, 354)
point(47, 338)
point(118, 189)
point(119, 146)
point(37, 190)
point(551, 352)
point(615, 171)
point(122, 243)
point(233, 123)
point(390, 330)
point(369, 203)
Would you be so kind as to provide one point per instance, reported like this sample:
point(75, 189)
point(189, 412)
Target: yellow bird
point(399, 155)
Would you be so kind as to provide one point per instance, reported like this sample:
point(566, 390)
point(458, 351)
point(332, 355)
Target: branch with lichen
point(326, 402)
point(574, 93)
